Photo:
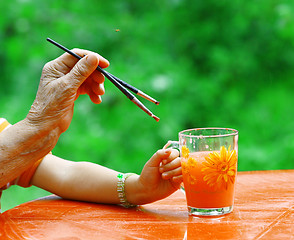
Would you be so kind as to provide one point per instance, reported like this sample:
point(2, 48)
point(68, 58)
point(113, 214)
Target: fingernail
point(91, 59)
point(167, 151)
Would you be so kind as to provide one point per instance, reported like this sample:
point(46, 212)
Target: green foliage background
point(210, 63)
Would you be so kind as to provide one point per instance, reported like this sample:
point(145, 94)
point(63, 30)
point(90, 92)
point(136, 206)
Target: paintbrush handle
point(116, 83)
point(135, 90)
point(132, 88)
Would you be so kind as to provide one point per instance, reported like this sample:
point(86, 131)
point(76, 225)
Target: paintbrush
point(117, 82)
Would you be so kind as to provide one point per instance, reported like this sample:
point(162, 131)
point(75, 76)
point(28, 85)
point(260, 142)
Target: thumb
point(83, 69)
point(156, 159)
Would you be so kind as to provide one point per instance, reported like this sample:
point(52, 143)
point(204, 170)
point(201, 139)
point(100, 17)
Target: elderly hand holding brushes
point(25, 147)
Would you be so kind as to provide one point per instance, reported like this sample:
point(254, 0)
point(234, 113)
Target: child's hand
point(161, 175)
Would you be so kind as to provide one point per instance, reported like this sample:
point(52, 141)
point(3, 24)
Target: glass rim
point(183, 133)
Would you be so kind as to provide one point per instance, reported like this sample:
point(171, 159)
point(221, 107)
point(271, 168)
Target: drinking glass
point(209, 166)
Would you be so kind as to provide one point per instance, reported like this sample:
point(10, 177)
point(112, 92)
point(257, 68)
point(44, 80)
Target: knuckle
point(47, 67)
point(76, 50)
point(176, 152)
point(50, 70)
point(159, 153)
point(80, 71)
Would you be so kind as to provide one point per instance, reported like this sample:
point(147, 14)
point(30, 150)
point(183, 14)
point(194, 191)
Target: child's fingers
point(174, 154)
point(173, 173)
point(178, 179)
point(158, 157)
point(175, 163)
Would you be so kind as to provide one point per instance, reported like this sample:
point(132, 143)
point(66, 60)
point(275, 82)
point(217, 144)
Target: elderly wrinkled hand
point(62, 81)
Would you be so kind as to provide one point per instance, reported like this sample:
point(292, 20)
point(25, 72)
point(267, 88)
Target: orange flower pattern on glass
point(185, 152)
point(220, 168)
point(188, 164)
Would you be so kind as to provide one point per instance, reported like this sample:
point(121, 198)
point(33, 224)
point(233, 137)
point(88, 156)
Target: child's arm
point(87, 181)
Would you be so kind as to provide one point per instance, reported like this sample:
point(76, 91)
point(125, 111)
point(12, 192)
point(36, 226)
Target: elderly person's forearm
point(21, 145)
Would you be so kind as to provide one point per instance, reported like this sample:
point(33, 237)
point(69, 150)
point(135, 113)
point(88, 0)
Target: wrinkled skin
point(62, 81)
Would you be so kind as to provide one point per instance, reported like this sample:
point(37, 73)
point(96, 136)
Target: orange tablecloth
point(264, 209)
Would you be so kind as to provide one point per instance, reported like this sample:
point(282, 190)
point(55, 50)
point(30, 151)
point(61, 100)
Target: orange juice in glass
point(209, 166)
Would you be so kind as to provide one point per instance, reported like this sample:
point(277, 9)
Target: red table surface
point(264, 209)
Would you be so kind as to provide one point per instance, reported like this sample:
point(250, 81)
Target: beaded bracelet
point(121, 189)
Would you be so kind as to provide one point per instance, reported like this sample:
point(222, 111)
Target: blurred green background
point(214, 63)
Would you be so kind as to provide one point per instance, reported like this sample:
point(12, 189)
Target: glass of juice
point(209, 165)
